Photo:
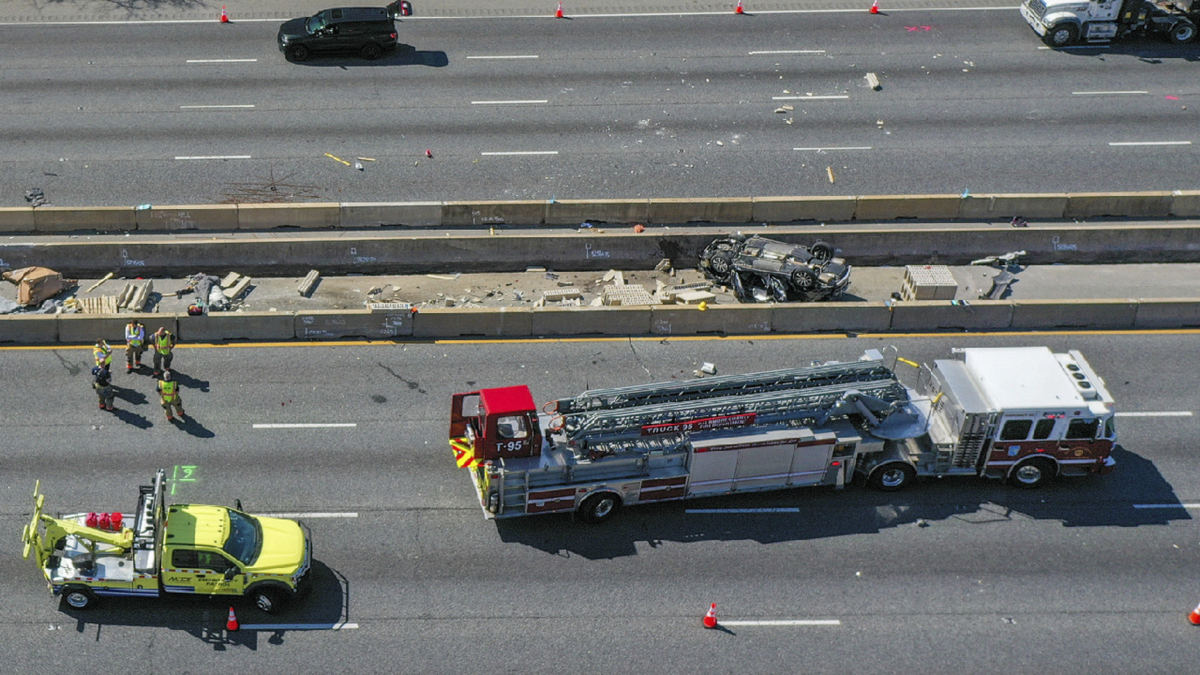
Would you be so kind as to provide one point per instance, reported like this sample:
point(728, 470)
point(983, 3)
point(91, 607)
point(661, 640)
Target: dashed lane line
point(298, 626)
point(313, 425)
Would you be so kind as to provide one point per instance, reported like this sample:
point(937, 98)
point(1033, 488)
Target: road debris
point(309, 281)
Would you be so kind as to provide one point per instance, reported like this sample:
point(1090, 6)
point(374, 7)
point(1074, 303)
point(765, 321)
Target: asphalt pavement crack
point(638, 357)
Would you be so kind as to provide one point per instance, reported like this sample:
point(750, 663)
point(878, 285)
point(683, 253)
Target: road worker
point(102, 353)
point(168, 391)
point(135, 344)
point(102, 383)
point(163, 343)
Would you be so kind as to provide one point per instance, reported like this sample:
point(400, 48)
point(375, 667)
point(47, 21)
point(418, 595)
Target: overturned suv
point(763, 270)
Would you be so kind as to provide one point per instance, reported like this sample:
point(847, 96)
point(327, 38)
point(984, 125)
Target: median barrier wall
point(890, 207)
point(733, 210)
point(1185, 203)
point(70, 218)
point(615, 211)
point(305, 216)
point(797, 209)
point(923, 315)
point(743, 319)
point(85, 329)
point(344, 323)
point(16, 219)
point(531, 212)
point(210, 217)
point(30, 329)
point(590, 321)
point(691, 320)
point(1167, 313)
point(471, 322)
point(410, 214)
point(857, 317)
point(1093, 314)
point(1007, 206)
point(1127, 204)
point(220, 326)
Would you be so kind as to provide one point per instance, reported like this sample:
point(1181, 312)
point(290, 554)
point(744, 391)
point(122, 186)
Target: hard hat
point(166, 375)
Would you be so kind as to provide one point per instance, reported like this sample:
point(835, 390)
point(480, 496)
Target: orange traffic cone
point(710, 619)
point(231, 623)
point(224, 15)
point(738, 9)
point(1194, 617)
point(558, 14)
point(429, 154)
point(875, 6)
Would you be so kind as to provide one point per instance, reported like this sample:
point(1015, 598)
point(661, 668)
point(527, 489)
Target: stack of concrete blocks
point(928, 282)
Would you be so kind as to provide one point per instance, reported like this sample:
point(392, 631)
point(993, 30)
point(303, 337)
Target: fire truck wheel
point(892, 477)
point(79, 598)
point(268, 599)
point(599, 508)
point(1033, 474)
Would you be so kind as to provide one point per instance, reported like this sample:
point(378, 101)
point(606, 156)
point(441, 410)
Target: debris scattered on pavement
point(306, 286)
point(97, 284)
point(37, 284)
point(873, 81)
point(339, 159)
point(36, 197)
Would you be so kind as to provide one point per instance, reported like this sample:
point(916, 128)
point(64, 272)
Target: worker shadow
point(1117, 500)
point(204, 618)
point(188, 382)
point(128, 395)
point(131, 418)
point(193, 427)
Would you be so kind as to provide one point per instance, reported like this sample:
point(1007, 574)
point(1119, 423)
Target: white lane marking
point(513, 56)
point(788, 509)
point(530, 152)
point(541, 100)
point(339, 425)
point(808, 98)
point(222, 60)
point(204, 107)
point(782, 622)
point(1150, 143)
point(1075, 47)
point(848, 147)
point(790, 51)
point(316, 514)
point(1165, 413)
point(1166, 506)
point(1107, 93)
point(298, 626)
point(214, 157)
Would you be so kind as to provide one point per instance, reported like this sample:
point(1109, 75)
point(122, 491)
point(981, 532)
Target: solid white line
point(298, 626)
point(215, 157)
point(1168, 413)
point(508, 102)
point(790, 51)
point(788, 509)
point(222, 60)
point(784, 622)
point(1166, 506)
point(806, 98)
point(1150, 143)
point(201, 107)
point(532, 152)
point(305, 426)
point(318, 514)
point(1106, 93)
point(848, 147)
point(514, 56)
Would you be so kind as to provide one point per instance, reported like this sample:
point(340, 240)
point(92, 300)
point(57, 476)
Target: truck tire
point(1061, 35)
point(892, 477)
point(1032, 474)
point(599, 507)
point(79, 598)
point(267, 598)
point(1182, 32)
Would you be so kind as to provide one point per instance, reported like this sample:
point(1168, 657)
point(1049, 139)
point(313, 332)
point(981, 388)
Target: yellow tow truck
point(180, 548)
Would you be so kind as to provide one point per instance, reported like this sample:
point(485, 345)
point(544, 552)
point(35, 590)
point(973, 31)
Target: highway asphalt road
point(645, 106)
point(955, 576)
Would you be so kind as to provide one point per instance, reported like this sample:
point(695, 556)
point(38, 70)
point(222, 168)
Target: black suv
point(369, 31)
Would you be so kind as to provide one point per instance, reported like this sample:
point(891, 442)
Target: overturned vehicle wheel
point(758, 269)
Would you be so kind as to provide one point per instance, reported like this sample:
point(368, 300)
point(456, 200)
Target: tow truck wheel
point(892, 477)
point(1182, 33)
point(1033, 474)
point(79, 598)
point(599, 508)
point(268, 599)
point(1061, 35)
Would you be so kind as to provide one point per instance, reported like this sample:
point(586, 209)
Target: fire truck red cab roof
point(507, 400)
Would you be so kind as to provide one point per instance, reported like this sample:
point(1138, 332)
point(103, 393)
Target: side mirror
point(237, 503)
point(231, 573)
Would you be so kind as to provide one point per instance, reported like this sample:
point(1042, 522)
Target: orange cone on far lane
point(1194, 617)
point(558, 13)
point(875, 6)
point(232, 622)
point(710, 619)
point(738, 9)
point(224, 15)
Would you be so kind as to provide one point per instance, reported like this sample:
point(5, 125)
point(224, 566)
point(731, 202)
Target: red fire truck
point(1025, 414)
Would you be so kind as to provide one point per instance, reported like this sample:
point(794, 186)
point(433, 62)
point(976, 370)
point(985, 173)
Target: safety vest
point(163, 342)
point(135, 335)
point(167, 388)
point(102, 353)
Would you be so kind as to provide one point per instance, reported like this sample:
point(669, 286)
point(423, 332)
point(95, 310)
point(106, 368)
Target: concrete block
point(591, 321)
point(85, 329)
point(616, 211)
point(795, 209)
point(817, 317)
point(501, 322)
point(1128, 204)
point(930, 315)
point(1008, 206)
point(891, 207)
point(744, 319)
point(305, 216)
point(344, 323)
point(494, 213)
point(71, 219)
point(29, 329)
point(1048, 314)
point(733, 210)
point(376, 214)
point(1167, 313)
point(221, 326)
point(1184, 203)
point(685, 320)
point(208, 217)
point(16, 219)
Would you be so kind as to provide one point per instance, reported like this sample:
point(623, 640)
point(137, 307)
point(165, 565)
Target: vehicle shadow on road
point(1148, 50)
point(1093, 501)
point(204, 617)
point(401, 57)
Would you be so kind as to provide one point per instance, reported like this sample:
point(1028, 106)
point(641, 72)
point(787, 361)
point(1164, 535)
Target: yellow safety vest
point(167, 388)
point(135, 335)
point(103, 355)
point(163, 343)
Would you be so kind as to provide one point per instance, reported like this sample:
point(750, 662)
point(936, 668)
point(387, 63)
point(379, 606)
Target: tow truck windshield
point(245, 538)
